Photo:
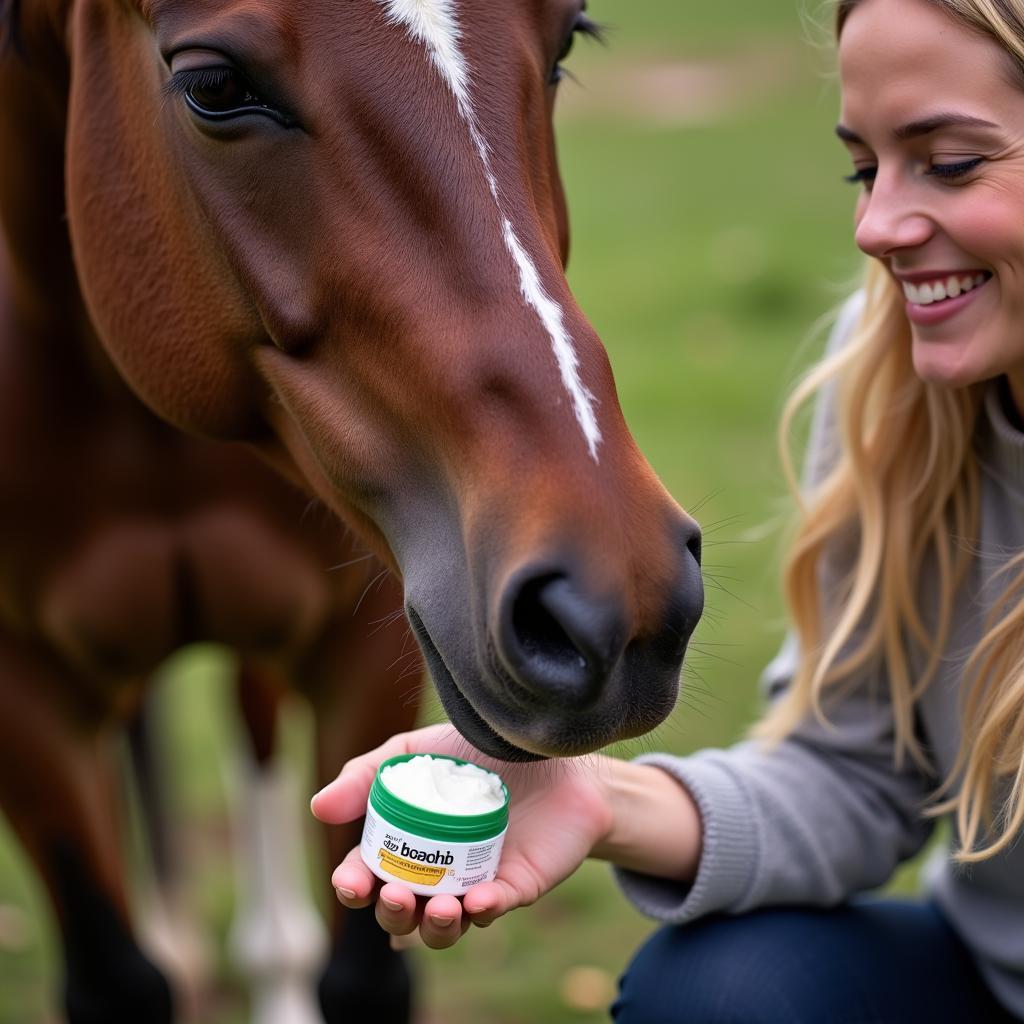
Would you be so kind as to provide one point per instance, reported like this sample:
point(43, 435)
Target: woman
point(899, 696)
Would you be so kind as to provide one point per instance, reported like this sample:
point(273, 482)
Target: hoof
point(380, 992)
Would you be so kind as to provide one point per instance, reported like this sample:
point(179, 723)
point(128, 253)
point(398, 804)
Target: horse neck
point(44, 307)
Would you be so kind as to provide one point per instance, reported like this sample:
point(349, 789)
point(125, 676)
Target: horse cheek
point(160, 296)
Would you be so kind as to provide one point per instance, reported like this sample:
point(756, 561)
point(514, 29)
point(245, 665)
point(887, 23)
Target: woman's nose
point(887, 221)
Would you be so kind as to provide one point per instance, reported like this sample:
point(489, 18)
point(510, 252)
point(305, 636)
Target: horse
point(257, 255)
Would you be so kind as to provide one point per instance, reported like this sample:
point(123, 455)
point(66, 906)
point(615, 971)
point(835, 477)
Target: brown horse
point(333, 234)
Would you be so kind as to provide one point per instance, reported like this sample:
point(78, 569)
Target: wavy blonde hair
point(904, 486)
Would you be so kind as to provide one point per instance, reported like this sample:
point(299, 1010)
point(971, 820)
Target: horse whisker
point(366, 590)
point(345, 565)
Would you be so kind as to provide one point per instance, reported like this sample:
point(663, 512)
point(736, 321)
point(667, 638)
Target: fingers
point(354, 883)
point(344, 799)
point(440, 920)
point(396, 909)
point(442, 923)
point(486, 902)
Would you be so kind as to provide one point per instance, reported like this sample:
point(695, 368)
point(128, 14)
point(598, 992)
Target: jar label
point(425, 865)
point(408, 870)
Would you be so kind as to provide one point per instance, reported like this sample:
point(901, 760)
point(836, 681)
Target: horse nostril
point(688, 536)
point(537, 628)
point(556, 643)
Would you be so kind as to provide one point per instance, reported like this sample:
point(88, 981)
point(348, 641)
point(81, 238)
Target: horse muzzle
point(556, 667)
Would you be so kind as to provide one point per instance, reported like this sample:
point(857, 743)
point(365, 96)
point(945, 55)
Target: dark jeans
point(869, 962)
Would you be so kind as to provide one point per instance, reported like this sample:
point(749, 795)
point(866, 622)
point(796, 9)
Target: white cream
point(440, 785)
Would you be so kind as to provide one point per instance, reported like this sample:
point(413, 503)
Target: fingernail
point(347, 894)
point(441, 922)
point(391, 904)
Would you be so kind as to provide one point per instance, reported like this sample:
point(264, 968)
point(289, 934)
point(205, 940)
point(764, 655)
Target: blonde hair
point(903, 489)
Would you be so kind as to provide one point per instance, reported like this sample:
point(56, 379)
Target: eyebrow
point(927, 125)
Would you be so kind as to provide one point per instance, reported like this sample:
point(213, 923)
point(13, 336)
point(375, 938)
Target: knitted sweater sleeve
point(820, 816)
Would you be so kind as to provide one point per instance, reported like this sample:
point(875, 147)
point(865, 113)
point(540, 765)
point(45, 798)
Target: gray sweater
point(825, 814)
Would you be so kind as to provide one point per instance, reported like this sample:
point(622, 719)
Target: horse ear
point(10, 37)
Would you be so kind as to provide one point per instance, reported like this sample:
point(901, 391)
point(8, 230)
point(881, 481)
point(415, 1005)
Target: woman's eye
point(218, 94)
point(955, 170)
point(862, 176)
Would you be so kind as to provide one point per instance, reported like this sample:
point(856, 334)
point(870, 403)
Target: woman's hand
point(558, 813)
point(561, 812)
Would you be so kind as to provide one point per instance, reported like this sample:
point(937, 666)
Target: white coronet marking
point(434, 23)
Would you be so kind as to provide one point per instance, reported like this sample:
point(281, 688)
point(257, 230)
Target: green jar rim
point(455, 828)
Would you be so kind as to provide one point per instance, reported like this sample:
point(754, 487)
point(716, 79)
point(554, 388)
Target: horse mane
point(10, 37)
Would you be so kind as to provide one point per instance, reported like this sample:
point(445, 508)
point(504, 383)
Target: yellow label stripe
point(409, 870)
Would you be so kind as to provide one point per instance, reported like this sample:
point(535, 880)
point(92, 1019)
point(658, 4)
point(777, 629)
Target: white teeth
point(936, 291)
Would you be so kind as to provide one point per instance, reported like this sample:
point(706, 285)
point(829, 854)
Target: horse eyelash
point(588, 27)
point(583, 26)
point(181, 81)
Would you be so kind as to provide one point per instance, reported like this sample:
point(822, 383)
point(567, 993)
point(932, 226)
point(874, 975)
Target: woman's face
point(934, 123)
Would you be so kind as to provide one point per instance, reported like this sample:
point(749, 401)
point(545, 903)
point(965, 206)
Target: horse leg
point(365, 688)
point(278, 939)
point(166, 928)
point(57, 788)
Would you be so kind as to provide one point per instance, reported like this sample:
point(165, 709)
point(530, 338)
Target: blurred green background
point(710, 234)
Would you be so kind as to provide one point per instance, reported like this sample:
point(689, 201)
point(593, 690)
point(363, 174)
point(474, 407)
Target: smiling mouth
point(927, 293)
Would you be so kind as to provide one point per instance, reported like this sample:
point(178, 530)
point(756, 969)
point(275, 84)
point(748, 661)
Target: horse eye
point(582, 26)
point(221, 93)
point(567, 46)
point(558, 72)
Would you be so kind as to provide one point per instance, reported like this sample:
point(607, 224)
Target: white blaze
point(434, 24)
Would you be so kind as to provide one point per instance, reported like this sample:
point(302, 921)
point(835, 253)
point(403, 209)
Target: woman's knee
point(756, 969)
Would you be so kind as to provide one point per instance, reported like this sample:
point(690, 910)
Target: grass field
point(710, 232)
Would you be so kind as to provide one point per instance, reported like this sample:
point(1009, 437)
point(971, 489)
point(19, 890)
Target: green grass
point(705, 247)
point(659, 26)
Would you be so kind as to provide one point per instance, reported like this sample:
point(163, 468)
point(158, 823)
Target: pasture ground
point(711, 231)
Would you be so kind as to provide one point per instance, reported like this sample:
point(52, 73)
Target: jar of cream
point(434, 823)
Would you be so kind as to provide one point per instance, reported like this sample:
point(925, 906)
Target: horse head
point(335, 230)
